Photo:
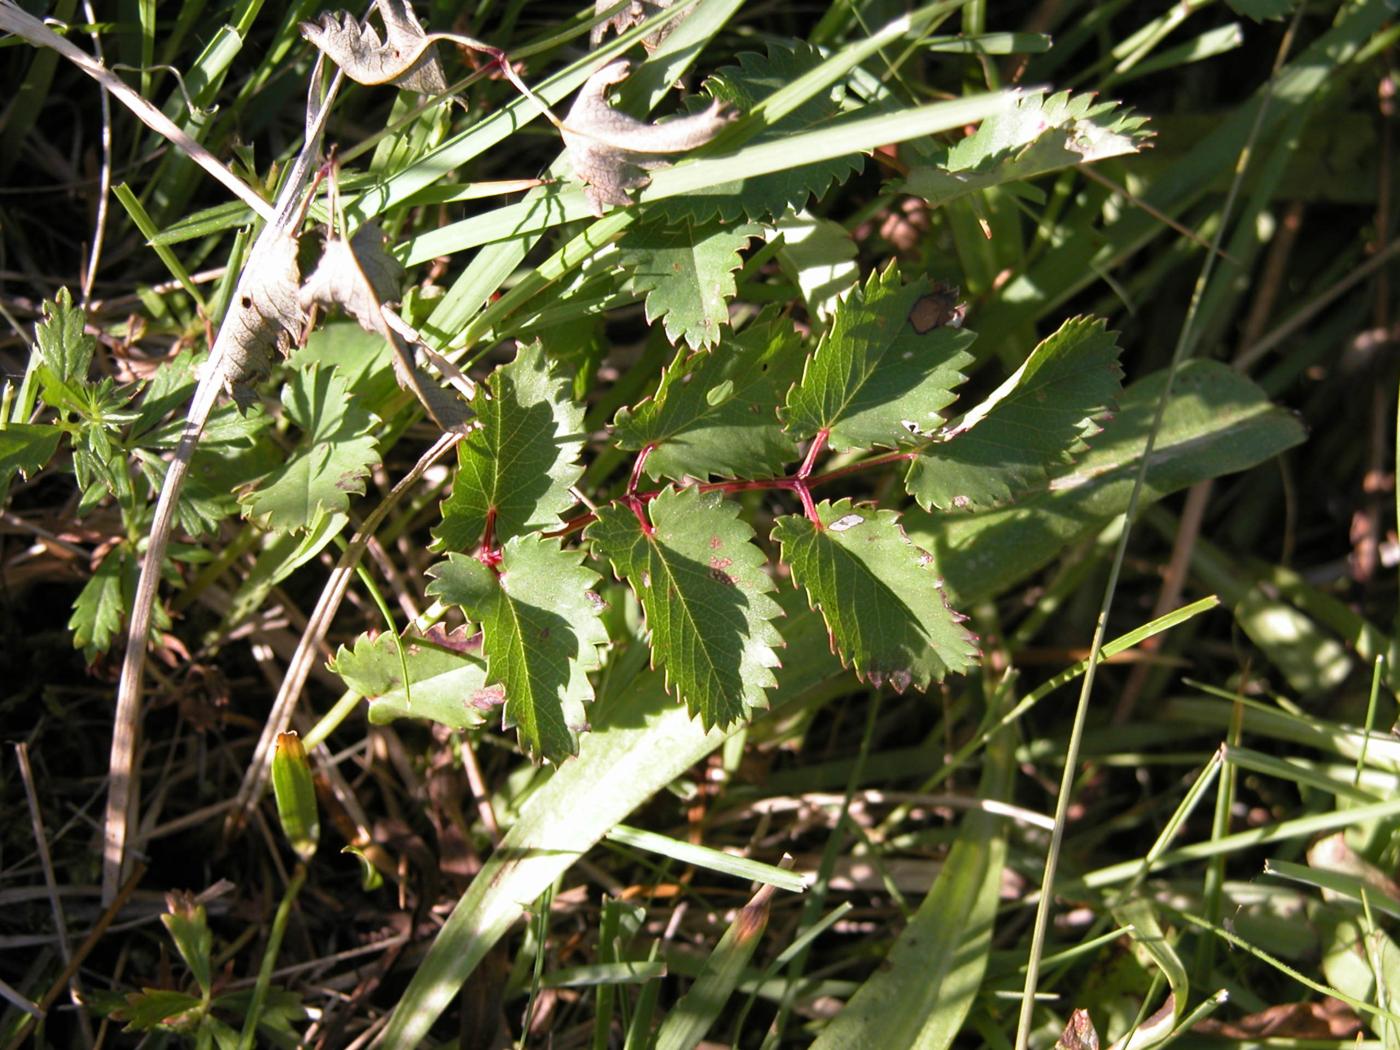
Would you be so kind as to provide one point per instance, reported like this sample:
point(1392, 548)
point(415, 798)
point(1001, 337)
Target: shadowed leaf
point(880, 595)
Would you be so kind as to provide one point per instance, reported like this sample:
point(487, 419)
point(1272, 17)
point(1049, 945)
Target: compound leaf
point(687, 273)
point(1039, 134)
point(702, 584)
point(876, 378)
point(514, 471)
point(714, 413)
point(540, 617)
point(880, 595)
point(1035, 422)
point(335, 455)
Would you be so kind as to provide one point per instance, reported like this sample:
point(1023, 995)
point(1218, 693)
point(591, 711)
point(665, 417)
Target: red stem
point(798, 483)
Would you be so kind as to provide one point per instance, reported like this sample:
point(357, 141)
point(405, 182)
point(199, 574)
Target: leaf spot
point(846, 521)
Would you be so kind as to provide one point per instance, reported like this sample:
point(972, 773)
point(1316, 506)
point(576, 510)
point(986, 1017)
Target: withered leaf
point(357, 276)
point(610, 150)
point(265, 312)
point(631, 14)
point(405, 57)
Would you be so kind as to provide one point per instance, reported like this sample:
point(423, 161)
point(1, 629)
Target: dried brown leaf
point(357, 276)
point(610, 149)
point(404, 57)
point(632, 14)
point(1328, 1019)
point(264, 314)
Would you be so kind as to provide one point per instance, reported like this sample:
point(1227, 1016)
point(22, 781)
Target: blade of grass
point(692, 1017)
point(709, 859)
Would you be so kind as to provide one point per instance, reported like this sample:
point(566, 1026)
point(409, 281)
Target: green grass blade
point(709, 859)
point(646, 742)
point(923, 992)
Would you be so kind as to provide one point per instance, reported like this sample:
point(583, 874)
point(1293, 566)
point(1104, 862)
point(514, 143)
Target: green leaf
point(687, 273)
point(188, 926)
point(1039, 135)
point(701, 581)
point(819, 256)
point(101, 606)
point(714, 414)
point(334, 457)
point(26, 447)
point(155, 1007)
point(879, 594)
point(446, 676)
point(1036, 421)
point(1217, 422)
point(515, 469)
point(769, 196)
point(541, 620)
point(875, 379)
point(65, 352)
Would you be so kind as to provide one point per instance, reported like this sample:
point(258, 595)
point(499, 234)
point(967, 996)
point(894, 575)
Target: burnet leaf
point(335, 455)
point(880, 595)
point(715, 414)
point(1034, 423)
point(404, 56)
point(516, 467)
point(541, 619)
point(702, 583)
point(610, 150)
point(687, 273)
point(446, 678)
point(878, 378)
point(1040, 134)
point(358, 276)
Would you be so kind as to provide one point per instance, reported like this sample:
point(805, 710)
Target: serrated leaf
point(65, 350)
point(702, 584)
point(875, 378)
point(769, 196)
point(153, 1007)
point(539, 614)
point(102, 604)
point(1216, 422)
point(879, 594)
point(688, 275)
point(188, 926)
point(610, 150)
point(25, 447)
point(515, 469)
point(1034, 423)
point(405, 57)
point(1038, 135)
point(714, 413)
point(446, 678)
point(334, 457)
